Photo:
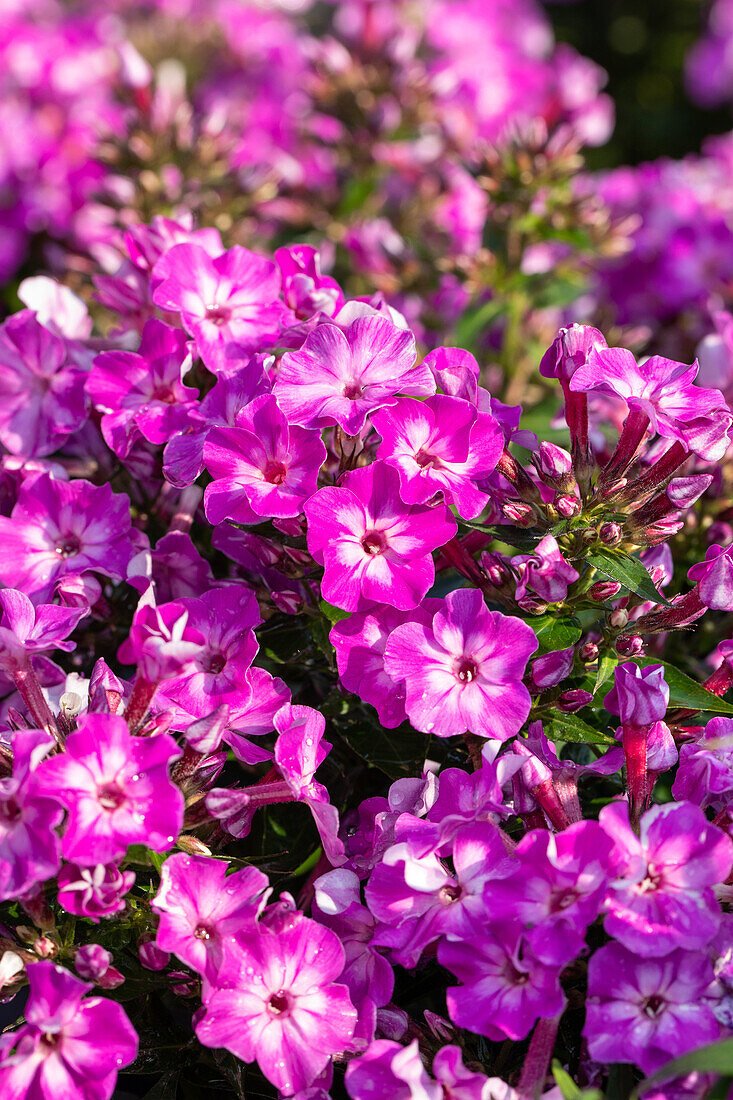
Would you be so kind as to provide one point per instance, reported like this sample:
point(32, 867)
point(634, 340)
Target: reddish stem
point(29, 689)
point(139, 702)
point(637, 776)
point(537, 1059)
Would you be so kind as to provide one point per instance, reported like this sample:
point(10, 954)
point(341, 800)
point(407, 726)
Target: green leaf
point(554, 633)
point(686, 692)
point(564, 1081)
point(568, 727)
point(333, 614)
point(521, 538)
point(471, 324)
point(713, 1058)
point(628, 571)
point(606, 665)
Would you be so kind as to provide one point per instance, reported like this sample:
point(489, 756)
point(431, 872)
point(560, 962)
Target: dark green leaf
point(568, 727)
point(713, 1058)
point(628, 571)
point(606, 665)
point(521, 538)
point(554, 633)
point(686, 692)
point(333, 614)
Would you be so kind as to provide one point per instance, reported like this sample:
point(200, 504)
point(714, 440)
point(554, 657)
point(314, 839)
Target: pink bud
point(573, 700)
point(518, 512)
point(619, 618)
point(639, 695)
point(604, 590)
point(628, 645)
point(45, 948)
point(151, 956)
point(567, 505)
point(610, 534)
point(588, 652)
point(92, 961)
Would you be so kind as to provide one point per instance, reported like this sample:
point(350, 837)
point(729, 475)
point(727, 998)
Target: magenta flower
point(371, 544)
point(43, 389)
point(63, 527)
point(71, 1045)
point(93, 892)
point(200, 907)
point(464, 671)
point(570, 350)
point(661, 896)
point(277, 1004)
point(360, 641)
point(116, 789)
point(29, 814)
point(638, 695)
point(545, 571)
point(263, 467)
point(387, 1069)
point(505, 988)
point(141, 393)
point(715, 578)
point(341, 375)
point(26, 630)
point(442, 445)
point(705, 774)
point(306, 291)
point(647, 1011)
point(662, 392)
point(161, 643)
point(230, 303)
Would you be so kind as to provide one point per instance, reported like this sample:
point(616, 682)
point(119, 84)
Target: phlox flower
point(276, 1003)
point(29, 814)
point(371, 544)
point(71, 1045)
point(116, 789)
point(340, 375)
point(93, 892)
point(26, 630)
point(464, 671)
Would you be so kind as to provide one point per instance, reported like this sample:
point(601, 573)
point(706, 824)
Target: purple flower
point(230, 303)
point(662, 391)
point(341, 375)
point(570, 350)
point(29, 814)
point(551, 668)
point(662, 897)
point(306, 291)
point(705, 774)
point(546, 571)
point(141, 393)
point(62, 527)
point(371, 544)
point(639, 695)
point(387, 1069)
point(263, 467)
point(647, 1011)
point(200, 907)
point(43, 390)
point(116, 789)
point(161, 643)
point(71, 1045)
point(440, 445)
point(464, 671)
point(277, 1004)
point(26, 630)
point(556, 889)
point(93, 892)
point(715, 578)
point(505, 988)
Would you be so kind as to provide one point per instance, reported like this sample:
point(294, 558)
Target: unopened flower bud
point(518, 512)
point(573, 700)
point(45, 948)
point(554, 465)
point(532, 605)
point(567, 505)
point(604, 590)
point(92, 961)
point(192, 845)
point(619, 618)
point(441, 1028)
point(551, 668)
point(628, 645)
point(588, 653)
point(71, 704)
point(151, 956)
point(610, 534)
point(639, 695)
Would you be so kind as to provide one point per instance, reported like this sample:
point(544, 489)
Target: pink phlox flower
point(70, 1044)
point(26, 630)
point(372, 545)
point(200, 907)
point(277, 1004)
point(93, 892)
point(661, 896)
point(715, 578)
point(230, 303)
point(638, 695)
point(465, 671)
point(546, 571)
point(389, 1070)
point(263, 467)
point(504, 987)
point(62, 527)
point(142, 393)
point(340, 375)
point(705, 774)
point(30, 850)
point(116, 789)
point(306, 291)
point(647, 1011)
point(161, 643)
point(42, 387)
point(442, 445)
